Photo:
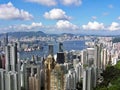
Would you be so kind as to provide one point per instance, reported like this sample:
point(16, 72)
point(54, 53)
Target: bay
point(67, 45)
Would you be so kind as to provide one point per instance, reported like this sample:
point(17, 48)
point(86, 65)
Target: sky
point(60, 16)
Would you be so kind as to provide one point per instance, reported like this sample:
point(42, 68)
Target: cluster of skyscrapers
point(73, 70)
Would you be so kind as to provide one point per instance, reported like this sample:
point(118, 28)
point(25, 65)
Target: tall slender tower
point(87, 79)
point(12, 66)
point(60, 47)
point(14, 61)
point(5, 39)
point(7, 58)
point(11, 57)
point(2, 79)
point(50, 49)
point(97, 60)
point(60, 54)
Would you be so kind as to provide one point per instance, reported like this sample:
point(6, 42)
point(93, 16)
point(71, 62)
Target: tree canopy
point(111, 78)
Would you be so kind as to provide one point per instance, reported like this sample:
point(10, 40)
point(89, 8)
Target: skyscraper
point(57, 78)
point(87, 79)
point(94, 75)
point(34, 82)
point(78, 69)
point(11, 57)
point(89, 82)
point(60, 58)
point(71, 80)
point(11, 81)
point(30, 76)
point(7, 58)
point(5, 39)
point(60, 54)
point(84, 58)
point(97, 61)
point(12, 67)
point(3, 61)
point(49, 66)
point(14, 61)
point(103, 58)
point(60, 47)
point(0, 62)
point(2, 79)
point(50, 49)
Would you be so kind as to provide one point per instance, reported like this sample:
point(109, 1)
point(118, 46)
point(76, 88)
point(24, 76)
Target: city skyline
point(60, 16)
point(74, 69)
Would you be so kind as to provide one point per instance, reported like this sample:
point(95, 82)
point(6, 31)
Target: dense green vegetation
point(116, 39)
point(111, 78)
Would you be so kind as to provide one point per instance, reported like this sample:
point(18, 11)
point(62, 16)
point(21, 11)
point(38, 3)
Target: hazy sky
point(57, 16)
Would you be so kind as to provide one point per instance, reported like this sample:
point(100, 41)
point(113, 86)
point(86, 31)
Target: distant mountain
point(82, 33)
point(68, 34)
point(29, 34)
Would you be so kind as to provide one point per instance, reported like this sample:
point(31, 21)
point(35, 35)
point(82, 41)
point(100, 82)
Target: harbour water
point(68, 45)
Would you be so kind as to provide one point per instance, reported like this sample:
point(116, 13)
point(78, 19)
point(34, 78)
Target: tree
point(111, 78)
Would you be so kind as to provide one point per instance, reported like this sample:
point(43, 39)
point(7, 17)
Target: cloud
point(94, 17)
point(119, 18)
point(56, 14)
point(114, 26)
point(110, 6)
point(44, 2)
point(55, 2)
point(64, 24)
point(8, 11)
point(93, 26)
point(71, 2)
point(23, 27)
point(29, 27)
